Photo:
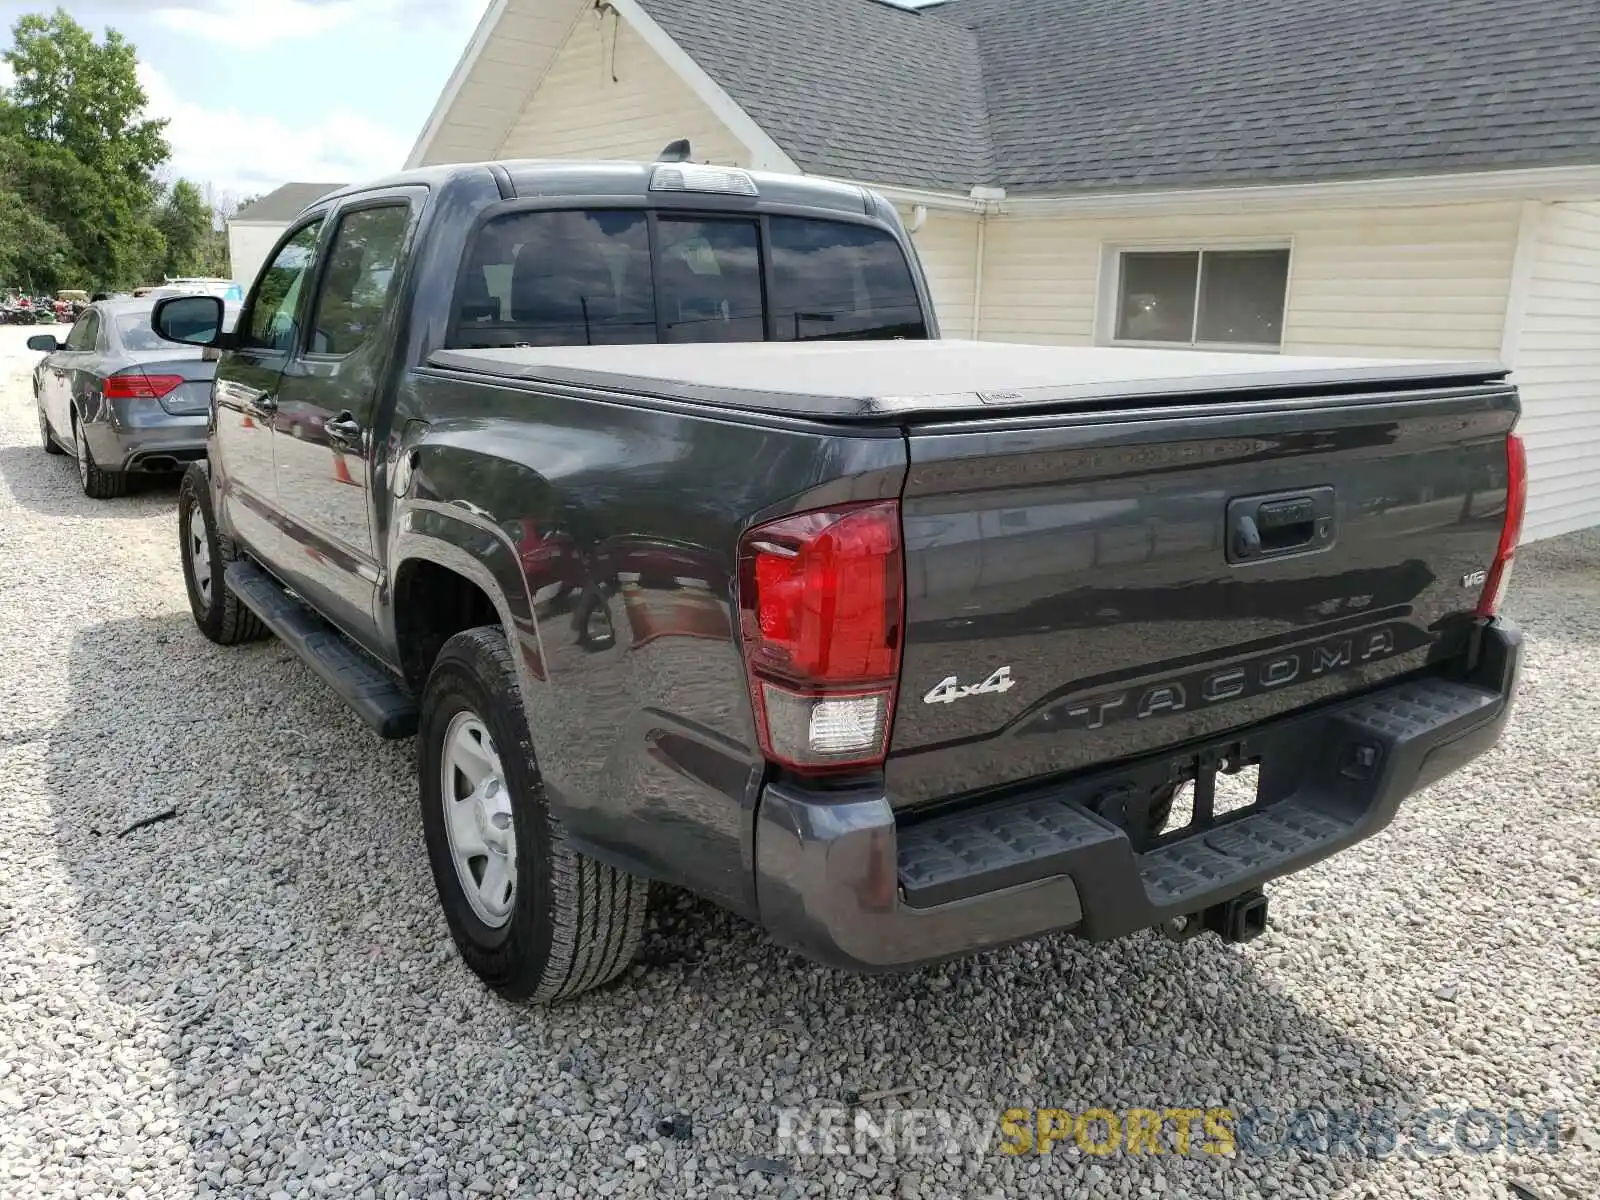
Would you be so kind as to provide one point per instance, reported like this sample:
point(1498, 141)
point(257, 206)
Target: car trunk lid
point(189, 397)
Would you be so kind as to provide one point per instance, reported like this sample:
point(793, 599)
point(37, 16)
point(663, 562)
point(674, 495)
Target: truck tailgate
point(1089, 586)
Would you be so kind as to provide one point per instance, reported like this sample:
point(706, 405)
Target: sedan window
point(85, 333)
point(134, 332)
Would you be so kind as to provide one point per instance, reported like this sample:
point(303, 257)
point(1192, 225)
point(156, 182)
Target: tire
point(45, 436)
point(98, 484)
point(569, 923)
point(220, 615)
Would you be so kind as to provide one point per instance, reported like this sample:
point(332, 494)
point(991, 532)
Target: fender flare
point(510, 597)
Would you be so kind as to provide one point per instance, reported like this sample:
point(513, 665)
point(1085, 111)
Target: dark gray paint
point(603, 527)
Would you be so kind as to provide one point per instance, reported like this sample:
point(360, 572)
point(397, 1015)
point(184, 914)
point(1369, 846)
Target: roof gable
point(286, 202)
point(1062, 97)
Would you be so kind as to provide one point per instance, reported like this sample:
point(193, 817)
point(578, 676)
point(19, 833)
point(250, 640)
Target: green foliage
point(80, 205)
point(184, 222)
point(85, 97)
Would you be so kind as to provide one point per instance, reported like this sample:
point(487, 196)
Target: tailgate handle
point(1266, 526)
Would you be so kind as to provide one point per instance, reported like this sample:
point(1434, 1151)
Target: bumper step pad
point(1339, 774)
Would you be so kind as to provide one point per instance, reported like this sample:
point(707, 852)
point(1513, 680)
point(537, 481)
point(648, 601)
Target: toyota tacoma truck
point(646, 498)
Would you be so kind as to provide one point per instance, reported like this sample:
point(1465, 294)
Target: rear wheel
point(45, 436)
point(535, 919)
point(98, 484)
point(206, 552)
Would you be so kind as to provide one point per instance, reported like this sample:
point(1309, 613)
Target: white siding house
point(255, 229)
point(1324, 235)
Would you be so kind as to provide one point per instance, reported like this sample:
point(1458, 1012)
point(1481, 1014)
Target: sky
point(261, 92)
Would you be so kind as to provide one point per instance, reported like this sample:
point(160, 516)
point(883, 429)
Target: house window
point(1210, 298)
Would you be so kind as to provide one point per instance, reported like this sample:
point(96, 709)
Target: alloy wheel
point(478, 819)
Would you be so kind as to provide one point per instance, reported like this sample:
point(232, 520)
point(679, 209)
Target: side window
point(85, 332)
point(831, 279)
point(710, 281)
point(563, 278)
point(277, 296)
point(363, 260)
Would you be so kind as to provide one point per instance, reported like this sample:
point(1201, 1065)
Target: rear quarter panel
point(612, 528)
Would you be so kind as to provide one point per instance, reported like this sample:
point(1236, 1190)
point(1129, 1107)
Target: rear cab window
point(575, 277)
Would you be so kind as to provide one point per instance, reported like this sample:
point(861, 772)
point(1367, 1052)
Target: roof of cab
point(546, 178)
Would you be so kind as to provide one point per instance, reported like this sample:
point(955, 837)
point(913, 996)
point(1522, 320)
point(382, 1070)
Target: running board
point(374, 694)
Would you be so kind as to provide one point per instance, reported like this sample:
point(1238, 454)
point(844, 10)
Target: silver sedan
point(119, 398)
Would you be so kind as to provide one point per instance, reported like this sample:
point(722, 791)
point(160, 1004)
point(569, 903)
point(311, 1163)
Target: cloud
point(263, 22)
point(260, 22)
point(246, 153)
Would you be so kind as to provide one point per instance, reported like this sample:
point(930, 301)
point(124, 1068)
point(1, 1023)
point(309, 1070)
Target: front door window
point(274, 309)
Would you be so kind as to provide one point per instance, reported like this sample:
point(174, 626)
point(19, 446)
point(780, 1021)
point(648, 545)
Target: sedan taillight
point(136, 385)
point(822, 614)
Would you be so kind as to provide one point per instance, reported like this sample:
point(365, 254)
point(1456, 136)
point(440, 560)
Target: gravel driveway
point(259, 997)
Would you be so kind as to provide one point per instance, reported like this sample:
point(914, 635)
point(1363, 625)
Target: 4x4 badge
point(948, 690)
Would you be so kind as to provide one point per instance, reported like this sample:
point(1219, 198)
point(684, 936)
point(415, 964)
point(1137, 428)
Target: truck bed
point(878, 382)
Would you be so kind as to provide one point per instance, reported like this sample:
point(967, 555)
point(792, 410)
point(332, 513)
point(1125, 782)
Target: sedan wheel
point(478, 820)
point(98, 484)
point(45, 436)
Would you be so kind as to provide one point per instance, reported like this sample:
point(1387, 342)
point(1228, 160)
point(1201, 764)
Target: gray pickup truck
point(647, 499)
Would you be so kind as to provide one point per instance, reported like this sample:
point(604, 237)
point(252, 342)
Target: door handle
point(343, 428)
point(1262, 527)
point(265, 403)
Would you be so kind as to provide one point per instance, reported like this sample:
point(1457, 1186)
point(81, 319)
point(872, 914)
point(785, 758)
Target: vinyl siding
point(1557, 360)
point(1406, 282)
point(608, 95)
point(526, 40)
point(947, 244)
point(248, 247)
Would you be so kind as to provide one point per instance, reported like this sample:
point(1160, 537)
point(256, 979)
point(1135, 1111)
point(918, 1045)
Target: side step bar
point(376, 696)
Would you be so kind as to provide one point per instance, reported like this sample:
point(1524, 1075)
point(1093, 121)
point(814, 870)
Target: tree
point(33, 252)
point(85, 97)
point(77, 157)
point(184, 221)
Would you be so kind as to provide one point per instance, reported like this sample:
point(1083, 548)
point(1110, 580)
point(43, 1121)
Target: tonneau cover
point(878, 381)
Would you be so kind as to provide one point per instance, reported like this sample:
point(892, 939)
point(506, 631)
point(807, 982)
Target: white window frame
point(1109, 299)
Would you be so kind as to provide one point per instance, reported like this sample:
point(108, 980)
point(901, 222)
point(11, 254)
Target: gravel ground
point(259, 997)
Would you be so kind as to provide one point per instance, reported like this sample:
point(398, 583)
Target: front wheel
point(534, 918)
point(206, 552)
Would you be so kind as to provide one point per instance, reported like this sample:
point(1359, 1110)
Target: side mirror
point(44, 342)
point(189, 320)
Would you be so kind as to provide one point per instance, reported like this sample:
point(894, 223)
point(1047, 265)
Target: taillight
point(821, 599)
point(136, 385)
point(1494, 588)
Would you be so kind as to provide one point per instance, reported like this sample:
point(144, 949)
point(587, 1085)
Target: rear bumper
point(159, 441)
point(841, 880)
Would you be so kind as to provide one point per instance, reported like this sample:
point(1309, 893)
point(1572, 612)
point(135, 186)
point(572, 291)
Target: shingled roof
point(285, 203)
point(1055, 96)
